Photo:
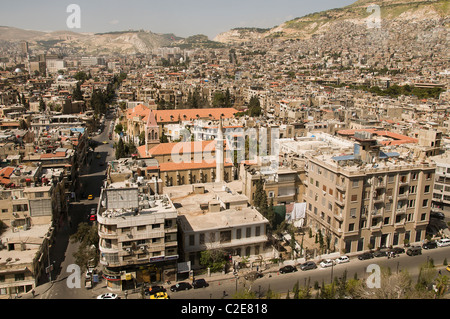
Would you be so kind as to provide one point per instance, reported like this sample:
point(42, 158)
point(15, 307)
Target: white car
point(108, 296)
point(326, 263)
point(443, 242)
point(342, 259)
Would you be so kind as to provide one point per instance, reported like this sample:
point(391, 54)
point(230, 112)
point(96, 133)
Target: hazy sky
point(181, 17)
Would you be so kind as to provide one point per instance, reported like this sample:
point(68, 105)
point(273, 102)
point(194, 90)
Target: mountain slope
point(122, 42)
point(356, 13)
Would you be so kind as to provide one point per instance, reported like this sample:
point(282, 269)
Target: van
point(413, 251)
point(443, 242)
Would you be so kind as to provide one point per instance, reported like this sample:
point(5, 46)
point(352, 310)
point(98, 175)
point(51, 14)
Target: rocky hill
point(356, 13)
point(122, 42)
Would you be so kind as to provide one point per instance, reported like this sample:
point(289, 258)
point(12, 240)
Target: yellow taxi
point(159, 295)
point(448, 268)
point(91, 197)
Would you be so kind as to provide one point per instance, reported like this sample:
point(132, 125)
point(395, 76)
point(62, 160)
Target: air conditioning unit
point(143, 248)
point(128, 250)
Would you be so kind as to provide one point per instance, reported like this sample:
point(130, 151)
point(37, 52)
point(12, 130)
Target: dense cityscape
point(259, 164)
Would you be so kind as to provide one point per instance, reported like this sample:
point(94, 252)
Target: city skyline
point(181, 18)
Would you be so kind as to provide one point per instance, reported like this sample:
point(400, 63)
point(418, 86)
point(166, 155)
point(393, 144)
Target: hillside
point(121, 42)
point(356, 13)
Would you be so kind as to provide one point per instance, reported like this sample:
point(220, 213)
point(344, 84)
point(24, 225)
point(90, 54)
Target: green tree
point(120, 149)
point(254, 107)
point(87, 237)
point(77, 94)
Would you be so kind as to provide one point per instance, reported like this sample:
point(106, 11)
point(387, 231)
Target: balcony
point(340, 202)
point(400, 224)
point(378, 199)
point(403, 196)
point(341, 187)
point(400, 210)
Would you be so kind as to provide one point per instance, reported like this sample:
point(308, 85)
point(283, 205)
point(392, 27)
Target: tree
point(213, 259)
point(77, 94)
point(87, 236)
point(120, 150)
point(254, 107)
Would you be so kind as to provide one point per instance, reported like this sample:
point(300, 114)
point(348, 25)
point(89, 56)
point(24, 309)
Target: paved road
point(281, 283)
point(62, 251)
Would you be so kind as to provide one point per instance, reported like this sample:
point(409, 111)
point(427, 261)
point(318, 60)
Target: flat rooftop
point(32, 238)
point(194, 214)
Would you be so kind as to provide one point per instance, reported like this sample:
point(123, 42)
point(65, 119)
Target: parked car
point(365, 256)
point(326, 263)
point(90, 197)
point(342, 259)
point(108, 295)
point(308, 265)
point(154, 290)
point(443, 242)
point(288, 269)
point(397, 250)
point(159, 295)
point(448, 268)
point(181, 286)
point(437, 215)
point(92, 217)
point(413, 251)
point(199, 283)
point(430, 245)
point(380, 253)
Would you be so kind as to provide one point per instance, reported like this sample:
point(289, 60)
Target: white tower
point(220, 154)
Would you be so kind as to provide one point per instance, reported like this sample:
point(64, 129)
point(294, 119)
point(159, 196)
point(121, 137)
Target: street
point(91, 179)
point(281, 283)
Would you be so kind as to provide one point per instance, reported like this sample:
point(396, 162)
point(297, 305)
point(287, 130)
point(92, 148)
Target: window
point(324, 188)
point(355, 184)
point(19, 277)
point(202, 239)
point(258, 231)
point(413, 189)
point(191, 240)
point(354, 198)
point(225, 236)
point(248, 232)
point(423, 216)
point(353, 213)
point(330, 191)
point(427, 188)
point(386, 221)
point(238, 233)
point(351, 227)
point(212, 237)
point(425, 203)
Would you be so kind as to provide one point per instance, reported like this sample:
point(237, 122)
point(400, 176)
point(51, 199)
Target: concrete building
point(138, 235)
point(212, 218)
point(441, 190)
point(368, 197)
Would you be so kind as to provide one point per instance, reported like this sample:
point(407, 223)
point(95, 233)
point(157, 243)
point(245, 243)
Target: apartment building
point(441, 191)
point(138, 235)
point(369, 197)
point(211, 217)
